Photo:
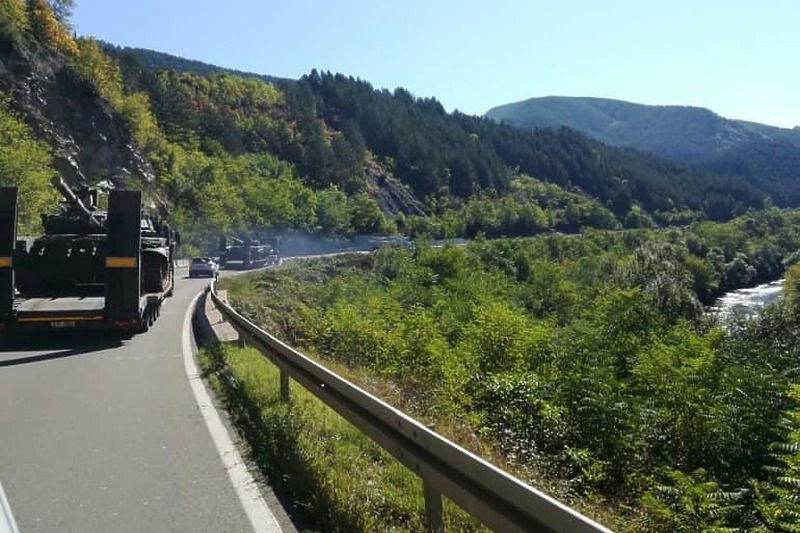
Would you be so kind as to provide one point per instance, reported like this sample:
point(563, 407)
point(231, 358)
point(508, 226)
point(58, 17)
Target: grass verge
point(337, 478)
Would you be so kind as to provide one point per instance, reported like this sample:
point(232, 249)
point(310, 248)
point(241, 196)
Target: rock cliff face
point(91, 144)
point(393, 197)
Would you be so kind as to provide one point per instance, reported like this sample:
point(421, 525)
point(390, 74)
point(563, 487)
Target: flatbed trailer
point(82, 312)
point(123, 306)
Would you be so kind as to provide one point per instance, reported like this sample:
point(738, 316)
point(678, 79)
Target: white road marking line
point(7, 524)
point(261, 518)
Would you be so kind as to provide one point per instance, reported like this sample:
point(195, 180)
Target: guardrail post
point(284, 385)
point(433, 502)
point(433, 507)
point(241, 342)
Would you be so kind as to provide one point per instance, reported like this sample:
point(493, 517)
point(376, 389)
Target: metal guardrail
point(491, 495)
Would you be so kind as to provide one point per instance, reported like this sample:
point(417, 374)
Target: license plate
point(62, 324)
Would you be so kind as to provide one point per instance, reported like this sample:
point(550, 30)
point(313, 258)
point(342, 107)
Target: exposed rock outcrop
point(90, 142)
point(392, 196)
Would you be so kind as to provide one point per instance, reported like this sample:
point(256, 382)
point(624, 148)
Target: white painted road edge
point(261, 518)
point(7, 524)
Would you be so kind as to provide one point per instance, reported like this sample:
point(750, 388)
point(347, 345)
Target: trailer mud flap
point(8, 237)
point(123, 278)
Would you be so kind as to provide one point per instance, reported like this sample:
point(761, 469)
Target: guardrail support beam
point(433, 508)
point(284, 385)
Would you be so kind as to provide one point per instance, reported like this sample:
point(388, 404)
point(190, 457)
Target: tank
point(247, 253)
point(70, 258)
point(158, 243)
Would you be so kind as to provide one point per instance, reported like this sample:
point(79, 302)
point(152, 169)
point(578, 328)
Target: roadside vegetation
point(584, 364)
point(335, 477)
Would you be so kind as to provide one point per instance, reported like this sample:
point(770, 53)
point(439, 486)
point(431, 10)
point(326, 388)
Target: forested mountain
point(768, 157)
point(435, 153)
point(327, 153)
point(161, 61)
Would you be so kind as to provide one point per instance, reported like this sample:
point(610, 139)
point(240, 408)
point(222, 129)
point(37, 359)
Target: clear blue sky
point(738, 58)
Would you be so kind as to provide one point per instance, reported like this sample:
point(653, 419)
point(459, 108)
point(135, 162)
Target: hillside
point(432, 152)
point(768, 157)
point(327, 154)
point(379, 119)
point(53, 118)
point(156, 60)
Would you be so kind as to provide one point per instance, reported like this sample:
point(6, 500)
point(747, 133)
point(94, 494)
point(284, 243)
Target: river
point(748, 302)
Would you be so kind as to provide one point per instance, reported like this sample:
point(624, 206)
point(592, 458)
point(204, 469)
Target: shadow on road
point(55, 345)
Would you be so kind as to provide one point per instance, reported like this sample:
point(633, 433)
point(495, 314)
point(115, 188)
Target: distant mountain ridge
point(328, 125)
point(156, 60)
point(647, 127)
point(766, 156)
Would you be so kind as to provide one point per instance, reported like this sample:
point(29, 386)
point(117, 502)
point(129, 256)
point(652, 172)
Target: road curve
point(105, 435)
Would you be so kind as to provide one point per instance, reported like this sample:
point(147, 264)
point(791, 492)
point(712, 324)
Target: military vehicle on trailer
point(92, 269)
point(248, 253)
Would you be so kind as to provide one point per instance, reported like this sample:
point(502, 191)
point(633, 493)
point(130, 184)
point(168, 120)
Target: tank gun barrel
point(75, 202)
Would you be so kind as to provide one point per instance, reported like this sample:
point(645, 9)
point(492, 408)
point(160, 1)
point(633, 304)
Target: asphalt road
point(98, 434)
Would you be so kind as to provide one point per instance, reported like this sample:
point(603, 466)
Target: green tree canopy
point(25, 164)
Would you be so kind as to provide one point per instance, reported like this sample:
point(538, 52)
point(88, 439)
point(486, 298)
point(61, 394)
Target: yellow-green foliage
point(688, 503)
point(531, 207)
point(224, 193)
point(226, 113)
point(13, 16)
point(496, 338)
point(135, 108)
point(243, 96)
point(243, 93)
point(207, 103)
point(25, 164)
point(791, 285)
point(48, 29)
point(92, 65)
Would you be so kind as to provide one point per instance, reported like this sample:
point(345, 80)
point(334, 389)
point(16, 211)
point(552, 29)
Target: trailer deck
point(75, 311)
point(62, 312)
point(60, 304)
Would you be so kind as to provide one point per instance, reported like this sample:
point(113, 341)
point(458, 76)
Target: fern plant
point(689, 503)
point(778, 502)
